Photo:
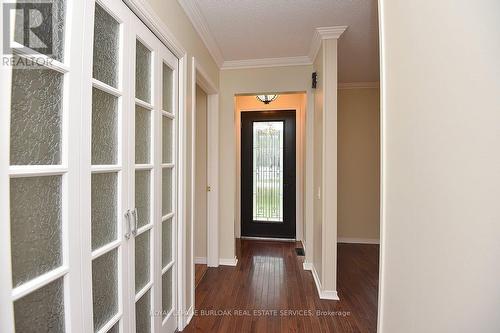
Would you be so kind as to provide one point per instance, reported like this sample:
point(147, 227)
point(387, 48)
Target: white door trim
point(200, 77)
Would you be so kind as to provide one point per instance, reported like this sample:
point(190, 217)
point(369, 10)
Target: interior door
point(40, 284)
point(268, 174)
point(153, 247)
point(88, 170)
point(133, 182)
point(105, 188)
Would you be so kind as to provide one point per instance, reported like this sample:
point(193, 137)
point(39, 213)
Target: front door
point(268, 174)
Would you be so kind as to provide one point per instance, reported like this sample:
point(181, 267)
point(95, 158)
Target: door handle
point(127, 221)
point(134, 215)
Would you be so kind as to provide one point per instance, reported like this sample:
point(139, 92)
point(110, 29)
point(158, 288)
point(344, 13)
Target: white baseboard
point(358, 240)
point(188, 316)
point(307, 266)
point(323, 294)
point(200, 260)
point(303, 245)
point(330, 294)
point(228, 262)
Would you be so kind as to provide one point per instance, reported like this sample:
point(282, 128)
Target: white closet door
point(106, 169)
point(88, 170)
point(40, 284)
point(154, 183)
point(168, 155)
point(142, 194)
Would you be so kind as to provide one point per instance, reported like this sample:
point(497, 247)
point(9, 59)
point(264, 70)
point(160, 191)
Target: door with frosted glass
point(268, 174)
point(108, 152)
point(154, 184)
point(88, 158)
point(134, 80)
point(168, 221)
point(40, 285)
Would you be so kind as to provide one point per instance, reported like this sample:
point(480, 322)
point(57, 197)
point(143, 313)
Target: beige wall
point(358, 164)
point(174, 17)
point(295, 102)
point(245, 81)
point(441, 166)
point(200, 211)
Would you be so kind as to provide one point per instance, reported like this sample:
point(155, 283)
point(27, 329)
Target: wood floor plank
point(270, 292)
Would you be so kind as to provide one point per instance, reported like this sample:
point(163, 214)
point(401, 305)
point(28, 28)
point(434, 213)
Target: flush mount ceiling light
point(266, 99)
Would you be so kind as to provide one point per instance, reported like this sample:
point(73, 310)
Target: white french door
point(152, 247)
point(88, 171)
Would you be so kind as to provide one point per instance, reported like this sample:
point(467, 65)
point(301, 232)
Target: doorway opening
point(203, 251)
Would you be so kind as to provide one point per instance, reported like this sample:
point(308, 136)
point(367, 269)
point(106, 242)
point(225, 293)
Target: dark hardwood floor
point(269, 276)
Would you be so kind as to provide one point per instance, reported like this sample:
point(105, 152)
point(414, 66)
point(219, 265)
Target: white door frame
point(200, 77)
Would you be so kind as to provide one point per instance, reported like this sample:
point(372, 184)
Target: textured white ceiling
point(256, 29)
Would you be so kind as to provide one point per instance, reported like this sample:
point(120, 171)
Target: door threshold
point(269, 239)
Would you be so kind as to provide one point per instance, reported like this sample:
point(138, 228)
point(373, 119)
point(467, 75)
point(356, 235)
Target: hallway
point(270, 292)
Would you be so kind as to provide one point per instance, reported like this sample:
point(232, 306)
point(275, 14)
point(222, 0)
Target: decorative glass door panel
point(268, 171)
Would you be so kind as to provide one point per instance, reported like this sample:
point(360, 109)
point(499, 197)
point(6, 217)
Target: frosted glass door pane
point(142, 197)
point(142, 135)
point(36, 238)
point(105, 288)
point(143, 314)
point(52, 36)
point(166, 186)
point(166, 291)
point(106, 46)
point(167, 139)
point(36, 116)
point(104, 210)
point(142, 258)
point(42, 310)
point(142, 72)
point(268, 171)
point(166, 247)
point(167, 89)
point(104, 128)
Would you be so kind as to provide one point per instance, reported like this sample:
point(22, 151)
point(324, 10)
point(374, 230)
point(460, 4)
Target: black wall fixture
point(314, 80)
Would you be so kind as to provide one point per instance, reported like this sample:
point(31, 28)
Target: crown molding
point(359, 85)
point(322, 33)
point(266, 62)
point(331, 32)
point(201, 26)
point(319, 35)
